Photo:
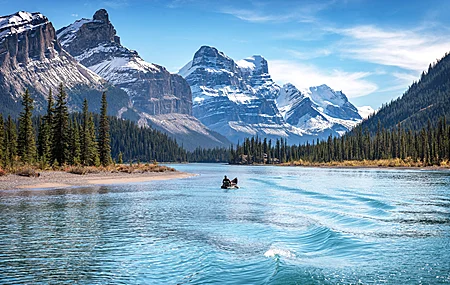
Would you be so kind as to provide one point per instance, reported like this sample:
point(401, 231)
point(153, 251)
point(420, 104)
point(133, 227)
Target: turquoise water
point(284, 226)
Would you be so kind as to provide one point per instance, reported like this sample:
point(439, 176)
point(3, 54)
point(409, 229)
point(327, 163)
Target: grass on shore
point(31, 170)
point(396, 162)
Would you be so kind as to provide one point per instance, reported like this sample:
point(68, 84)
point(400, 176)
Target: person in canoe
point(227, 183)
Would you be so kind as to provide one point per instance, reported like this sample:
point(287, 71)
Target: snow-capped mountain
point(31, 57)
point(318, 109)
point(236, 100)
point(239, 99)
point(155, 96)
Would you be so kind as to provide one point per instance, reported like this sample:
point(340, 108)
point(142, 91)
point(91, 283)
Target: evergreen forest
point(61, 138)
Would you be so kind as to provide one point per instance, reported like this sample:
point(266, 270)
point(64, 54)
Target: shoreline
point(343, 166)
point(61, 179)
point(373, 167)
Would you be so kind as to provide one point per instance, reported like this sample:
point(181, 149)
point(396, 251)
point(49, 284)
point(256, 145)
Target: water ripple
point(285, 225)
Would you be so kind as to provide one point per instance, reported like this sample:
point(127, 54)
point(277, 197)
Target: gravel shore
point(60, 179)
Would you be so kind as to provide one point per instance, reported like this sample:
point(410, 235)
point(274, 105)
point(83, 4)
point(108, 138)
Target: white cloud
point(279, 11)
point(321, 52)
point(407, 49)
point(256, 16)
point(304, 76)
point(401, 82)
point(406, 78)
point(74, 15)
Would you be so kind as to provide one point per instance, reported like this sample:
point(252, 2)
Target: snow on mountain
point(240, 99)
point(20, 22)
point(365, 111)
point(31, 57)
point(152, 90)
point(236, 100)
point(317, 110)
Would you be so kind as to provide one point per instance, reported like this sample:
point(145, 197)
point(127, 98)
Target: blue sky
point(371, 50)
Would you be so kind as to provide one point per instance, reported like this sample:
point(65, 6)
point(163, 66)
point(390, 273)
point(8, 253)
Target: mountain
point(234, 100)
point(239, 99)
point(319, 110)
point(365, 111)
point(155, 96)
point(31, 57)
point(425, 100)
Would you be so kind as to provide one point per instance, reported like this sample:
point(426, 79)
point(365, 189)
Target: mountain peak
point(289, 86)
point(255, 64)
point(213, 59)
point(205, 48)
point(98, 30)
point(32, 58)
point(209, 51)
point(101, 15)
point(20, 21)
point(323, 87)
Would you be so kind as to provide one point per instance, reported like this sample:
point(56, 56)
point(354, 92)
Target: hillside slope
point(427, 99)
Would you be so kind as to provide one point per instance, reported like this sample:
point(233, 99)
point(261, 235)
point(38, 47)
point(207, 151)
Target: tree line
point(429, 146)
point(59, 138)
point(55, 138)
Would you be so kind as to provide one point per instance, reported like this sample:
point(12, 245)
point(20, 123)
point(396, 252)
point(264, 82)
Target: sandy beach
point(60, 179)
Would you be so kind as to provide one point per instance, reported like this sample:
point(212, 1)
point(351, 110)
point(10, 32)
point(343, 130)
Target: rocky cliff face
point(151, 88)
point(31, 57)
point(156, 97)
point(239, 99)
point(319, 110)
point(235, 99)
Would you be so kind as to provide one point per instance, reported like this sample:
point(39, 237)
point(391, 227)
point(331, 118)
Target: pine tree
point(88, 146)
point(93, 156)
point(10, 142)
point(45, 136)
point(104, 146)
point(26, 140)
point(74, 148)
point(84, 137)
point(61, 140)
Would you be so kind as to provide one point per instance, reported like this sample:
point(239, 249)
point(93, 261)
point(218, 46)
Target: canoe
point(232, 186)
point(229, 187)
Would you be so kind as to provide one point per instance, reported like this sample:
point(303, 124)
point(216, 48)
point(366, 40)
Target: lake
point(285, 225)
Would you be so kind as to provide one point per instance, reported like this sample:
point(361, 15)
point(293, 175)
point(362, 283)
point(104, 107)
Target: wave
point(278, 252)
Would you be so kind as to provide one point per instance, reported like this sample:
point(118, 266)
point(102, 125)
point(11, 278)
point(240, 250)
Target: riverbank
point(61, 179)
point(381, 163)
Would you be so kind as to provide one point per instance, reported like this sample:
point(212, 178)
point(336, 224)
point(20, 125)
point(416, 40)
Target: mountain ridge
point(240, 99)
point(425, 100)
point(32, 58)
point(157, 98)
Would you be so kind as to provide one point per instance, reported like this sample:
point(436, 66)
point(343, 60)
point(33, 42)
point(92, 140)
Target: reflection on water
point(284, 226)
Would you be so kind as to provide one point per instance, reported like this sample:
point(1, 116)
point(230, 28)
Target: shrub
point(27, 171)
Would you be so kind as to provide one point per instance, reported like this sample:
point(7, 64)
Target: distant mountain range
point(239, 99)
point(211, 101)
point(155, 97)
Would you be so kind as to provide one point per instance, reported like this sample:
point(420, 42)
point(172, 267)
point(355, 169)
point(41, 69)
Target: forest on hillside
point(59, 138)
point(424, 101)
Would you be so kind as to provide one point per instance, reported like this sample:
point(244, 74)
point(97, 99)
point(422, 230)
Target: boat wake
point(277, 252)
